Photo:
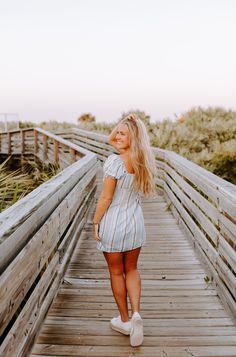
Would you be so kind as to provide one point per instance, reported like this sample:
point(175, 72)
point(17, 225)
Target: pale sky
point(62, 58)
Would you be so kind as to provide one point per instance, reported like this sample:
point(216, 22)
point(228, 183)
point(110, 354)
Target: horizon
point(152, 121)
point(61, 59)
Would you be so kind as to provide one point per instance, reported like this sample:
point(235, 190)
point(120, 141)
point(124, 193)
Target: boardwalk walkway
point(182, 315)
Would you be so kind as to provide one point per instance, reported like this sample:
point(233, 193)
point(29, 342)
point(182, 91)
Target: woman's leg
point(132, 278)
point(116, 269)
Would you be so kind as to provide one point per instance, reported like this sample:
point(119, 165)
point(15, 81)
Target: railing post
point(9, 142)
point(45, 147)
point(35, 142)
point(22, 133)
point(56, 153)
point(72, 155)
point(22, 142)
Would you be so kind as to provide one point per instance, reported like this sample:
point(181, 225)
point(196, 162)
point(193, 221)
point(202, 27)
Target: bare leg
point(132, 278)
point(116, 269)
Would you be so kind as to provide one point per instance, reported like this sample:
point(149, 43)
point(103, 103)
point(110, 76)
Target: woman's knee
point(115, 263)
point(129, 267)
point(131, 260)
point(116, 270)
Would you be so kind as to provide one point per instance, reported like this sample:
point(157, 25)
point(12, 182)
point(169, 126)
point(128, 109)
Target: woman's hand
point(112, 138)
point(95, 231)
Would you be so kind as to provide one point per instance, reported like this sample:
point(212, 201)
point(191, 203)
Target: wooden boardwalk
point(183, 316)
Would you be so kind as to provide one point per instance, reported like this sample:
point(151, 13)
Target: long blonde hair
point(142, 156)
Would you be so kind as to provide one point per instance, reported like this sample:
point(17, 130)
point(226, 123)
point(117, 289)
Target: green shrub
point(17, 183)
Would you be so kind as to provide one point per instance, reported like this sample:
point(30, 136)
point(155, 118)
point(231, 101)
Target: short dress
point(121, 228)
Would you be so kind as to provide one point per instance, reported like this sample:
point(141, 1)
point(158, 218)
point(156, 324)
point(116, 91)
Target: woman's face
point(122, 137)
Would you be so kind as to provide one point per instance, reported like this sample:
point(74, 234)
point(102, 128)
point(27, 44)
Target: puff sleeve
point(113, 166)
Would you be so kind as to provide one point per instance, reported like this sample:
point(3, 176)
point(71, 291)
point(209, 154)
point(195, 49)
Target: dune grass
point(17, 183)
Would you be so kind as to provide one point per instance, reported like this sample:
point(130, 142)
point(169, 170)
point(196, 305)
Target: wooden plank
point(224, 293)
point(121, 351)
point(227, 276)
point(206, 181)
point(196, 197)
point(91, 134)
point(149, 314)
point(158, 341)
point(228, 253)
point(91, 148)
point(21, 329)
point(94, 143)
point(228, 228)
point(197, 233)
point(102, 328)
point(227, 201)
point(203, 221)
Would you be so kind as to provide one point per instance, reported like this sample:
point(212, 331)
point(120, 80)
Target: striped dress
point(122, 225)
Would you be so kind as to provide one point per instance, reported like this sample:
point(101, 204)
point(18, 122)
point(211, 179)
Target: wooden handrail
point(37, 237)
point(62, 141)
point(44, 145)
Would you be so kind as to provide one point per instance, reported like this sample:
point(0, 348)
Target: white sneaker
point(118, 325)
point(136, 333)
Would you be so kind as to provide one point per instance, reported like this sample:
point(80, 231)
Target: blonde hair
point(142, 157)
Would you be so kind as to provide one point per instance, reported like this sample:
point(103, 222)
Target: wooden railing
point(94, 142)
point(17, 142)
point(39, 143)
point(203, 203)
point(38, 234)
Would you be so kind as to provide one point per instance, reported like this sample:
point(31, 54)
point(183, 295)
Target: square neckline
point(125, 166)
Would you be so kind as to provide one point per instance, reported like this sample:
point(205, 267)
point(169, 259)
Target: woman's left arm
point(104, 202)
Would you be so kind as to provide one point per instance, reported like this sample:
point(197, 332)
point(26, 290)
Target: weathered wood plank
point(122, 351)
point(157, 341)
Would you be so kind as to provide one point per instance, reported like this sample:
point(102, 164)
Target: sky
point(62, 58)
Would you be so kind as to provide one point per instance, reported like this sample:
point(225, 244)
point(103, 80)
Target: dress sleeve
point(113, 167)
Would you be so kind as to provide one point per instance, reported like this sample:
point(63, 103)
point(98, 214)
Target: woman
point(118, 220)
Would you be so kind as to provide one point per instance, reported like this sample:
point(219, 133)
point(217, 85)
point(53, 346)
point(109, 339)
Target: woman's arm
point(104, 201)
